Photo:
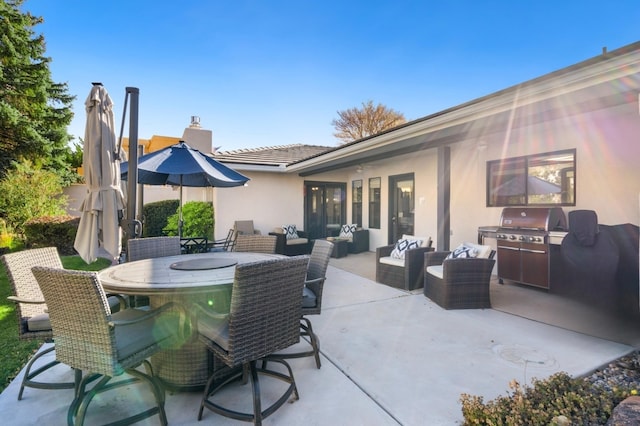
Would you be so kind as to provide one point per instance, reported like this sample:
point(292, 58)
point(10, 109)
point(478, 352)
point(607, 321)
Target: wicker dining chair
point(255, 243)
point(312, 298)
point(33, 319)
point(264, 318)
point(104, 345)
point(148, 248)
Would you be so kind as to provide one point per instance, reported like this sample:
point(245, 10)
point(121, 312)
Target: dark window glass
point(540, 179)
point(374, 202)
point(356, 202)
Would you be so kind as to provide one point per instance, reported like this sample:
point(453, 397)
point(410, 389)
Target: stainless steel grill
point(524, 252)
point(531, 225)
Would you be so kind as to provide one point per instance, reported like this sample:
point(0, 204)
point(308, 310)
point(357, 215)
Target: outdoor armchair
point(291, 241)
point(358, 238)
point(104, 345)
point(264, 317)
point(459, 283)
point(400, 265)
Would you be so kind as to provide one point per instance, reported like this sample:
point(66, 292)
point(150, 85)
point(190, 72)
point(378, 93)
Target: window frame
point(521, 169)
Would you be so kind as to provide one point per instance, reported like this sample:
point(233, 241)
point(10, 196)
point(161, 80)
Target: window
point(356, 202)
point(374, 202)
point(541, 179)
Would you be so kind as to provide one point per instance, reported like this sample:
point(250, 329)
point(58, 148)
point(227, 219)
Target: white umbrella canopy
point(104, 202)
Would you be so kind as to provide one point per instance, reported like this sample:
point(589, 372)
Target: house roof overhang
point(605, 81)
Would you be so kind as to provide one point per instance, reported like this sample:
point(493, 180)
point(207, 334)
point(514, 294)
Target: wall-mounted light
point(359, 169)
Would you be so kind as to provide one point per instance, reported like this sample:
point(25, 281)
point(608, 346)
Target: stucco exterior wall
point(269, 199)
point(607, 175)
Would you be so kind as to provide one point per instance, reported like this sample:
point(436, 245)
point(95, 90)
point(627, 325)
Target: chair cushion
point(216, 330)
point(388, 260)
point(39, 323)
point(436, 270)
point(294, 241)
point(290, 231)
point(309, 298)
point(346, 231)
point(403, 245)
point(130, 339)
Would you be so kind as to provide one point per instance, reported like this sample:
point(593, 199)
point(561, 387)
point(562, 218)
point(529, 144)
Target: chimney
point(195, 121)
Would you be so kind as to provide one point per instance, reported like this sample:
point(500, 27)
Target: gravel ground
point(623, 372)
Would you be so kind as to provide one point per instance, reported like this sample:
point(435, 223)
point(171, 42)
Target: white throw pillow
point(346, 231)
point(463, 251)
point(402, 246)
point(470, 250)
point(290, 231)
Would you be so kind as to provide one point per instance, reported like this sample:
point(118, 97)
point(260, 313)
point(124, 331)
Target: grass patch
point(15, 353)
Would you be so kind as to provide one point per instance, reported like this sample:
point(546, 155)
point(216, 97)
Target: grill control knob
point(512, 237)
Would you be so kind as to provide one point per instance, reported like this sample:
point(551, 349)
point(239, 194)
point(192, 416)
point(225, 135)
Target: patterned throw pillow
point(290, 231)
point(463, 252)
point(347, 230)
point(402, 246)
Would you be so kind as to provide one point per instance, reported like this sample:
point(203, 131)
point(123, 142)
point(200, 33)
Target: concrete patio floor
point(391, 357)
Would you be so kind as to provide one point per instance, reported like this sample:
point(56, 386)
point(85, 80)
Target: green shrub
point(47, 231)
point(29, 192)
point(557, 400)
point(197, 218)
point(156, 215)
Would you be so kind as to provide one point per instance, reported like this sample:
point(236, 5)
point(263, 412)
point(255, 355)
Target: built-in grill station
point(525, 253)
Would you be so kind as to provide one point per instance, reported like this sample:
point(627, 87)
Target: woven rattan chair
point(264, 318)
point(101, 344)
point(464, 283)
point(148, 248)
point(312, 297)
point(407, 274)
point(255, 243)
point(33, 319)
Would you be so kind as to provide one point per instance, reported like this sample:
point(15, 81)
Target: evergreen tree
point(34, 110)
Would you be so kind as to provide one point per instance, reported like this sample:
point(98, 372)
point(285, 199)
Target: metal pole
point(133, 225)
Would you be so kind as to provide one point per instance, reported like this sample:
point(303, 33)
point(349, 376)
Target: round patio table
point(184, 279)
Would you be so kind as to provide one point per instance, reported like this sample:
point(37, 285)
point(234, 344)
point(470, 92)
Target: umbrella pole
point(132, 225)
point(180, 215)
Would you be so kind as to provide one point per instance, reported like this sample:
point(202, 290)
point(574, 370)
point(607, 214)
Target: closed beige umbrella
point(99, 222)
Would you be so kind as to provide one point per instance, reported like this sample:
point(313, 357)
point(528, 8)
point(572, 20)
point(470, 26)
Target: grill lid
point(533, 218)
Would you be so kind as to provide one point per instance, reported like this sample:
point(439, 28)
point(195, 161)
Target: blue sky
point(266, 73)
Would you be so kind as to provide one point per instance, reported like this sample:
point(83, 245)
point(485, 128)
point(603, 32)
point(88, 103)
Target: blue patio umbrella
point(181, 165)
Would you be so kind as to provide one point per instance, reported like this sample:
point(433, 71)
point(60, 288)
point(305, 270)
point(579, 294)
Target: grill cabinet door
point(509, 260)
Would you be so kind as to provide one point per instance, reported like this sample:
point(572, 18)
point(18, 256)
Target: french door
point(401, 206)
point(325, 208)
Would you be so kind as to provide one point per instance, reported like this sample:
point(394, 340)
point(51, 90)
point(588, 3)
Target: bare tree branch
point(355, 123)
